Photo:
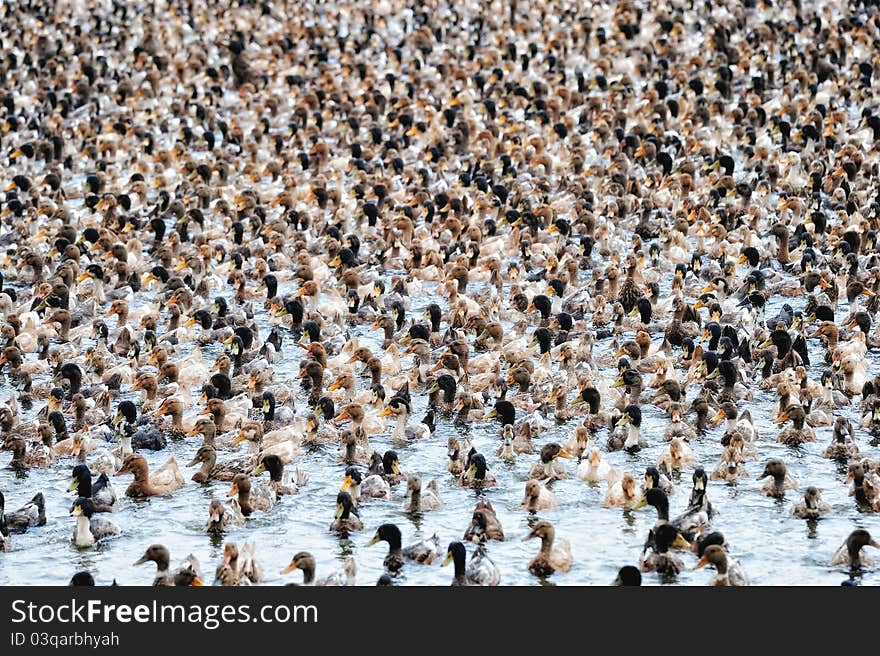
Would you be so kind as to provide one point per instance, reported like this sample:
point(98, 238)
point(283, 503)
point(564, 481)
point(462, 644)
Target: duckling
point(161, 482)
point(811, 506)
point(780, 479)
point(88, 529)
point(419, 500)
point(555, 553)
point(346, 520)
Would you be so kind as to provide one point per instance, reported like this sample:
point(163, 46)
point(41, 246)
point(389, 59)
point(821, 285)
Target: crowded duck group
point(592, 286)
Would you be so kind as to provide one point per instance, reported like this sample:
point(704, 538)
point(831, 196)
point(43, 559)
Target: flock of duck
point(399, 257)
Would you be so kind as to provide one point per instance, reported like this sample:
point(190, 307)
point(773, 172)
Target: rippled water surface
point(773, 547)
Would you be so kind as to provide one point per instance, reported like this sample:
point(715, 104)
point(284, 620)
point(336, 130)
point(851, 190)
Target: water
point(773, 547)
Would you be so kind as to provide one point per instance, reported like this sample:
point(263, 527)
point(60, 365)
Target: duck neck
point(244, 502)
point(82, 535)
point(632, 437)
point(415, 500)
point(125, 446)
point(400, 428)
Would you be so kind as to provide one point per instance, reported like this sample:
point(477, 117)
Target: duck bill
point(74, 484)
point(781, 419)
point(386, 411)
point(193, 433)
point(702, 562)
point(289, 568)
point(565, 454)
point(259, 469)
point(346, 484)
point(335, 385)
point(641, 504)
point(492, 413)
point(434, 388)
point(339, 510)
point(868, 293)
point(446, 560)
point(680, 541)
point(197, 582)
point(718, 416)
point(238, 439)
point(234, 491)
point(342, 416)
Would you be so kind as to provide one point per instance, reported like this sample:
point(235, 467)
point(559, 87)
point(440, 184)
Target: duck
point(304, 561)
point(850, 552)
point(779, 479)
point(658, 559)
point(594, 468)
point(548, 467)
point(250, 498)
point(31, 514)
point(811, 506)
point(690, 524)
point(88, 529)
point(419, 500)
point(346, 520)
point(100, 491)
point(211, 469)
point(716, 555)
point(223, 517)
point(676, 456)
point(843, 446)
point(159, 554)
point(538, 497)
point(477, 474)
point(484, 524)
point(372, 487)
point(479, 571)
point(799, 431)
point(161, 482)
point(627, 436)
point(622, 491)
point(279, 480)
point(555, 553)
point(390, 533)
